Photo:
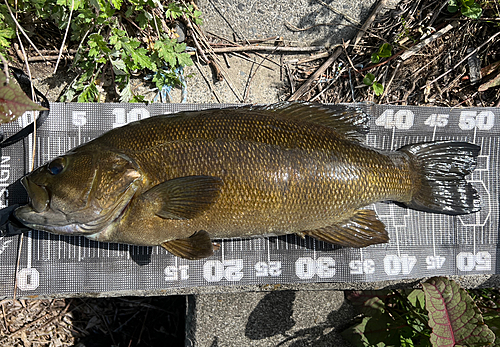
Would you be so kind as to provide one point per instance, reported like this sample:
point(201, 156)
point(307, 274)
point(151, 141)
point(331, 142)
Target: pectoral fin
point(361, 230)
point(197, 246)
point(184, 197)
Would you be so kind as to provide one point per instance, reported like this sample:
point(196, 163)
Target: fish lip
point(40, 221)
point(39, 197)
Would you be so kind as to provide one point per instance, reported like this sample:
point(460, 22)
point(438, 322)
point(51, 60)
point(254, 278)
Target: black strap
point(25, 84)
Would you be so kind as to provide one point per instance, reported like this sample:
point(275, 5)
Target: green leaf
point(179, 47)
point(117, 3)
point(378, 88)
point(143, 19)
point(165, 51)
point(97, 42)
point(369, 302)
point(119, 67)
point(492, 319)
point(89, 94)
point(173, 11)
point(140, 58)
point(473, 11)
point(197, 17)
point(417, 298)
point(372, 331)
point(126, 93)
point(165, 78)
point(375, 58)
point(453, 6)
point(13, 101)
point(356, 334)
point(184, 59)
point(7, 33)
point(453, 315)
point(369, 78)
point(4, 42)
point(385, 50)
point(137, 99)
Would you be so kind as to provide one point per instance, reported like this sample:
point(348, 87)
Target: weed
point(370, 81)
point(116, 39)
point(441, 313)
point(468, 8)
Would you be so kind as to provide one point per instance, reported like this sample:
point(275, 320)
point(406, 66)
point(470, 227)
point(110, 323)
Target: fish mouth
point(39, 197)
point(40, 215)
point(39, 220)
point(37, 214)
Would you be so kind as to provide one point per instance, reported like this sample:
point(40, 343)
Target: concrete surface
point(277, 318)
point(259, 19)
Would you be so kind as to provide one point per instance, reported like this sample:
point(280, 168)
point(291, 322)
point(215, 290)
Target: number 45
point(437, 120)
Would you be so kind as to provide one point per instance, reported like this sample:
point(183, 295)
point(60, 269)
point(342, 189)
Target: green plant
point(370, 81)
point(115, 38)
point(384, 51)
point(469, 8)
point(439, 314)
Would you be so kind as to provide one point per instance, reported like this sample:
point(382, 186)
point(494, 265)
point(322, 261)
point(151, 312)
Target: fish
point(184, 180)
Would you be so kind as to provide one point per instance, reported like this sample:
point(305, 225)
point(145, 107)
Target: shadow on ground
point(129, 321)
point(266, 321)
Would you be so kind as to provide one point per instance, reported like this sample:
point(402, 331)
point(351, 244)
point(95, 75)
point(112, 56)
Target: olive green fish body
point(181, 180)
point(278, 178)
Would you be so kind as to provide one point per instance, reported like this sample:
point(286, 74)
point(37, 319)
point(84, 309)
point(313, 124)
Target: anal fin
point(361, 230)
point(197, 246)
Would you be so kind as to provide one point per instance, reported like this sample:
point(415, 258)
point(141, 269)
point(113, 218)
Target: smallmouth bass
point(181, 180)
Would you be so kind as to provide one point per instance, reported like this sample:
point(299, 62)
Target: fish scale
point(180, 181)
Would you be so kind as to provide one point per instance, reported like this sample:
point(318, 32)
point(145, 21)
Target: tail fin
point(440, 168)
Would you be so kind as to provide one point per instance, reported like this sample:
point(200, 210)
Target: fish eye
point(57, 166)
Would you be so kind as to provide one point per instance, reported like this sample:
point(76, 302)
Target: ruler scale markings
point(436, 232)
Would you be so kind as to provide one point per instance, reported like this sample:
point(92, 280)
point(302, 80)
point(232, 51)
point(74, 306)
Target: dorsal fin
point(349, 121)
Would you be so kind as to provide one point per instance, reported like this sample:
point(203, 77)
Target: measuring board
point(421, 244)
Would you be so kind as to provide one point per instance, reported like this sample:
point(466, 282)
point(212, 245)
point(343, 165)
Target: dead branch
point(308, 59)
point(415, 49)
point(368, 22)
point(304, 87)
point(460, 62)
point(252, 48)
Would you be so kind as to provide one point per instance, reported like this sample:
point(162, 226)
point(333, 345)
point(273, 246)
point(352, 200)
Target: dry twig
point(302, 90)
point(20, 28)
point(460, 62)
point(415, 49)
point(65, 35)
point(273, 49)
point(304, 87)
point(368, 22)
